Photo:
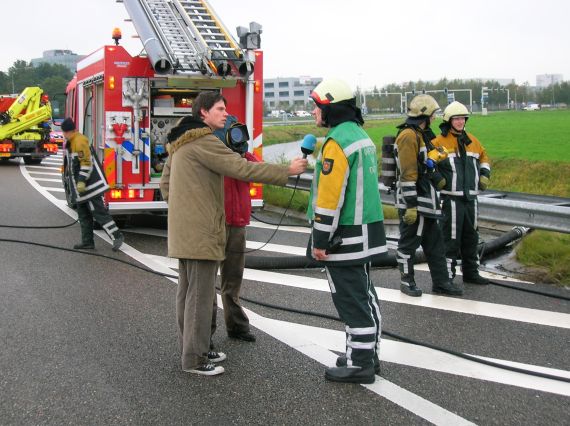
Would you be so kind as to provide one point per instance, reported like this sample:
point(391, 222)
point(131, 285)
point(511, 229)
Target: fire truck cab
point(126, 105)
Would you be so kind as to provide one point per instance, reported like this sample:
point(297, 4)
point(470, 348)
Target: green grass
point(529, 151)
point(549, 252)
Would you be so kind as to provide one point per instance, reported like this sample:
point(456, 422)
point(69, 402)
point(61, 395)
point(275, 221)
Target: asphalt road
point(90, 340)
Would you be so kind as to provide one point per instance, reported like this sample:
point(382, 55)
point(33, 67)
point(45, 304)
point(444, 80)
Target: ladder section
point(183, 36)
point(185, 52)
point(210, 29)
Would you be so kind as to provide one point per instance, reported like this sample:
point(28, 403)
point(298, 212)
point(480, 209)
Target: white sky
point(366, 42)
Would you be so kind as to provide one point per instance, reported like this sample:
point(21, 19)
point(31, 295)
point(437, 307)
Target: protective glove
point(441, 184)
point(81, 187)
point(438, 154)
point(411, 215)
point(483, 182)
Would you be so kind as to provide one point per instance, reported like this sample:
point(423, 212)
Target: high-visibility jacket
point(345, 200)
point(414, 182)
point(84, 168)
point(466, 162)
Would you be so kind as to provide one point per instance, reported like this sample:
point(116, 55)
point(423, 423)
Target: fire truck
point(126, 105)
point(24, 127)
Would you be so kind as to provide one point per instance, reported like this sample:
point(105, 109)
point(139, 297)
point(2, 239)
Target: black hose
point(39, 227)
point(299, 311)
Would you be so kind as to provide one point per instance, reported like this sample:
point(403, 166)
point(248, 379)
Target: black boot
point(476, 279)
point(341, 362)
point(352, 374)
point(408, 286)
point(448, 287)
point(118, 241)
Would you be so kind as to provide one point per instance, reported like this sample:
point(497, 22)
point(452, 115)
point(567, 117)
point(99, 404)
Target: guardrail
point(549, 213)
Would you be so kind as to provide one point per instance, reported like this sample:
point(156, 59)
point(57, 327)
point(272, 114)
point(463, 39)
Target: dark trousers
point(94, 209)
point(196, 289)
point(357, 304)
point(461, 236)
point(231, 271)
point(427, 233)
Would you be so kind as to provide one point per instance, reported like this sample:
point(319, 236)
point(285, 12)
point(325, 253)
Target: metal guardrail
point(537, 212)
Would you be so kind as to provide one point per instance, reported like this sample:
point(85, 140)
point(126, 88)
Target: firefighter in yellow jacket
point(467, 172)
point(417, 182)
point(87, 185)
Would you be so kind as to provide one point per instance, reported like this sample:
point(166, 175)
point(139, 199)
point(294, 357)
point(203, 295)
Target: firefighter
point(348, 227)
point(417, 182)
point(87, 186)
point(467, 171)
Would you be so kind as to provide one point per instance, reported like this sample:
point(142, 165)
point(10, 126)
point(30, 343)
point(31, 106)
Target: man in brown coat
point(192, 183)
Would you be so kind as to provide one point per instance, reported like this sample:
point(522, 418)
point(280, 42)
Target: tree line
point(388, 99)
point(52, 78)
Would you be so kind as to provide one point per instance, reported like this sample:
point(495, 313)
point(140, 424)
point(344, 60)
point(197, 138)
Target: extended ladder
point(192, 36)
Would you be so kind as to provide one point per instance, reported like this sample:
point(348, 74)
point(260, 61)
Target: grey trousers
point(231, 272)
point(95, 209)
point(196, 290)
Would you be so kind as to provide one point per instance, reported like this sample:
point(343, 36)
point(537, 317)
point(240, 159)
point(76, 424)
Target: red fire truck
point(126, 104)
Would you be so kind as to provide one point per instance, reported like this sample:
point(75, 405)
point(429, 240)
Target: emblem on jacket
point(327, 166)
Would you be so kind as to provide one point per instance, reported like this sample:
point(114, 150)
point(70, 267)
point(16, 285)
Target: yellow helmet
point(455, 109)
point(422, 105)
point(331, 91)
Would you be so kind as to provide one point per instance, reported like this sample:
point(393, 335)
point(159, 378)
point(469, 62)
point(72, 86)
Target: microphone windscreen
point(308, 144)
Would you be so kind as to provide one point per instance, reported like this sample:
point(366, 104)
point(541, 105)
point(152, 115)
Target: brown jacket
point(192, 183)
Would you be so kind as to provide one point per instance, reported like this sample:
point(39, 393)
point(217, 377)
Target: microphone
point(308, 145)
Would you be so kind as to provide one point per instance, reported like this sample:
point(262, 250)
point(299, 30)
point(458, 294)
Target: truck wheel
point(30, 160)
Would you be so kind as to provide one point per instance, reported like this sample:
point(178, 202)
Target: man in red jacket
point(237, 203)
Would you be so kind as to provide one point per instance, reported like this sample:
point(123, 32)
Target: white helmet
point(422, 105)
point(331, 91)
point(455, 109)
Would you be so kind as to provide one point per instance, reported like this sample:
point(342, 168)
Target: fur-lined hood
point(189, 136)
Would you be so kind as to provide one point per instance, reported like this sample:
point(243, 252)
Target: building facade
point(59, 56)
point(288, 92)
point(545, 80)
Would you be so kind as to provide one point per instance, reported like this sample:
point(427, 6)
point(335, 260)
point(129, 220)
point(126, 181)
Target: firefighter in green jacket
point(417, 201)
point(467, 172)
point(348, 227)
point(87, 185)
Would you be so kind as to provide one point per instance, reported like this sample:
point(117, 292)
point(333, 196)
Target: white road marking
point(262, 225)
point(42, 167)
point(45, 173)
point(47, 180)
point(54, 189)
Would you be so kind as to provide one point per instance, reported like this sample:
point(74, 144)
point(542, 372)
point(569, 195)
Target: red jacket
point(237, 200)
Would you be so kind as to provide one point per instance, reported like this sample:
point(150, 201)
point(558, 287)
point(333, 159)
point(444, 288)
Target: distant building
point(59, 56)
point(545, 80)
point(284, 92)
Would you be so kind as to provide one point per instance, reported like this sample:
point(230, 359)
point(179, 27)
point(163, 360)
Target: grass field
point(529, 151)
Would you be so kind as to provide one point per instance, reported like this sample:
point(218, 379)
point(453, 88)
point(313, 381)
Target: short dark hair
point(206, 100)
point(67, 125)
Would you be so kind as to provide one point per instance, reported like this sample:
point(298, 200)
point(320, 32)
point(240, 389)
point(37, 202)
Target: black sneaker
point(408, 286)
point(84, 246)
point(208, 369)
point(246, 336)
point(448, 287)
point(214, 356)
point(352, 374)
point(118, 241)
point(476, 279)
point(341, 362)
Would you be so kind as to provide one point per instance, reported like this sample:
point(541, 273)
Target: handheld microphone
point(308, 145)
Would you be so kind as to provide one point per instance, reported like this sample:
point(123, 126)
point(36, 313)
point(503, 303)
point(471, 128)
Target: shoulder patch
point(327, 165)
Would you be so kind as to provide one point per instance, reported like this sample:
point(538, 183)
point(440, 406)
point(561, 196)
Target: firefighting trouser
point(231, 272)
point(460, 235)
point(424, 231)
point(95, 209)
point(196, 290)
point(356, 302)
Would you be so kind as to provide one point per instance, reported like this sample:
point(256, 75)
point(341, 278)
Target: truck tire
point(30, 160)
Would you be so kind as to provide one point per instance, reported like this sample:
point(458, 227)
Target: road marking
point(300, 229)
point(47, 180)
point(45, 173)
point(42, 167)
point(53, 189)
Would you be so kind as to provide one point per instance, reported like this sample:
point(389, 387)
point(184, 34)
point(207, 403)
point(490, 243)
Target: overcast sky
point(366, 42)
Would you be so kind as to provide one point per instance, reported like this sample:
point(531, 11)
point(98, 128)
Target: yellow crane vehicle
point(24, 127)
